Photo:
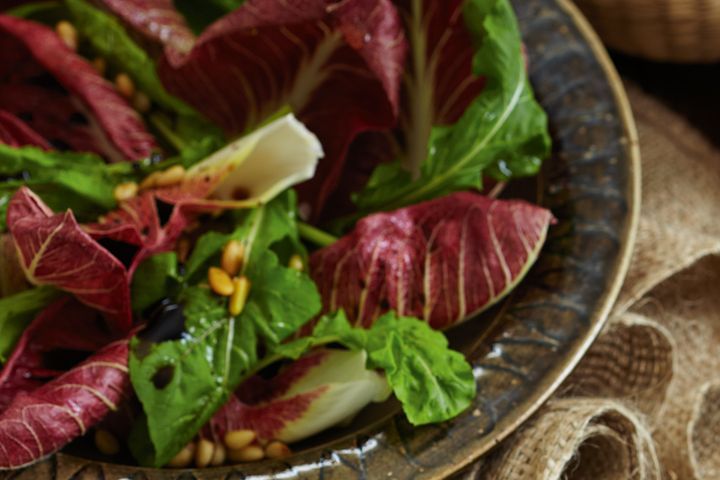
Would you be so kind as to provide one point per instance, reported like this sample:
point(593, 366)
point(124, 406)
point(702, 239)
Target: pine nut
point(251, 453)
point(276, 450)
point(184, 457)
point(125, 86)
point(141, 102)
point(125, 191)
point(219, 455)
point(241, 290)
point(171, 176)
point(296, 263)
point(100, 65)
point(106, 443)
point(204, 453)
point(150, 181)
point(220, 282)
point(233, 257)
point(68, 34)
point(239, 439)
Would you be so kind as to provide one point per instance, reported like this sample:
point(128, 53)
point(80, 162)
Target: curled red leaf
point(16, 133)
point(40, 422)
point(60, 334)
point(259, 405)
point(54, 250)
point(442, 261)
point(336, 64)
point(313, 393)
point(138, 222)
point(63, 97)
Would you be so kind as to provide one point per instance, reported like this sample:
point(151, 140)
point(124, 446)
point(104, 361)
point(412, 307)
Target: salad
point(227, 226)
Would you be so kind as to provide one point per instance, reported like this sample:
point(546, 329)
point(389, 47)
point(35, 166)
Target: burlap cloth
point(645, 401)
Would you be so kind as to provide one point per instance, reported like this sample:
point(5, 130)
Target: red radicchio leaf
point(438, 87)
point(16, 133)
point(366, 152)
point(54, 250)
point(138, 222)
point(156, 20)
point(442, 261)
point(255, 405)
point(62, 97)
point(441, 83)
point(39, 423)
point(63, 331)
point(317, 391)
point(337, 65)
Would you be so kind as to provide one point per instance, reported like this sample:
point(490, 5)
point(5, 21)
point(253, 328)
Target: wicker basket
point(668, 30)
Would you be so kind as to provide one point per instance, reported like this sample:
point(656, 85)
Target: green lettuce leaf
point(433, 382)
point(274, 224)
point(80, 181)
point(16, 313)
point(182, 383)
point(155, 278)
point(503, 133)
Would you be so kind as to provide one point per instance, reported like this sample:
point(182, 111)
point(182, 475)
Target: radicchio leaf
point(62, 332)
point(155, 20)
point(501, 133)
point(62, 97)
point(16, 133)
point(137, 222)
point(441, 83)
point(54, 250)
point(317, 391)
point(337, 65)
point(38, 423)
point(442, 261)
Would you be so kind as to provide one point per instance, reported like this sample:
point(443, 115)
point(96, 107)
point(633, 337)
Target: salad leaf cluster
point(187, 354)
point(218, 351)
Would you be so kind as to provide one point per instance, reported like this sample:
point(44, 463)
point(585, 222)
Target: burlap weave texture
point(645, 401)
